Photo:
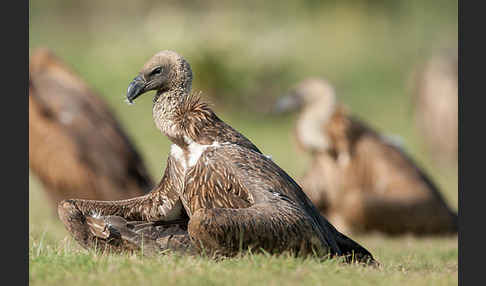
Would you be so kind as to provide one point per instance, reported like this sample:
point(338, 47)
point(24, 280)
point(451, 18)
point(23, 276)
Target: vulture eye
point(157, 70)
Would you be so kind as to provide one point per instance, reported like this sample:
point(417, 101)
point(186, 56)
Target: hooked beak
point(136, 88)
point(287, 103)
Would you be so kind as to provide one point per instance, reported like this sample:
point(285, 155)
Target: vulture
point(360, 180)
point(77, 148)
point(219, 195)
point(435, 101)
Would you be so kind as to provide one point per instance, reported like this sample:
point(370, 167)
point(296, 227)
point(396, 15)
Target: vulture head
point(308, 93)
point(165, 71)
point(315, 99)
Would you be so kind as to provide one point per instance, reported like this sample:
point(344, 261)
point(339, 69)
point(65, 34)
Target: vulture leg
point(275, 228)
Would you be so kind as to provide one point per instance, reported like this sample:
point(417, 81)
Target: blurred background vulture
point(435, 101)
point(77, 148)
point(360, 180)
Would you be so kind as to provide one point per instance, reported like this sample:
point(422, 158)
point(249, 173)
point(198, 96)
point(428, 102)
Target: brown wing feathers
point(361, 179)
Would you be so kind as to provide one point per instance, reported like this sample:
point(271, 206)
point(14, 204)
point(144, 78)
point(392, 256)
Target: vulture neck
point(182, 117)
point(311, 126)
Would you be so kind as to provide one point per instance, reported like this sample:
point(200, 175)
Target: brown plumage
point(435, 101)
point(77, 148)
point(359, 179)
point(218, 190)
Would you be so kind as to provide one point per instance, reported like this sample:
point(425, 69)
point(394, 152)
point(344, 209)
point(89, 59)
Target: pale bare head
point(165, 71)
point(316, 99)
point(308, 93)
point(315, 89)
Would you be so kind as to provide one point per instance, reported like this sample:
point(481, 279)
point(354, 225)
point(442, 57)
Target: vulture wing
point(243, 179)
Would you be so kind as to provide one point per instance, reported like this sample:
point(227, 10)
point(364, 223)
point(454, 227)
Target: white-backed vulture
point(435, 100)
point(361, 181)
point(219, 193)
point(77, 148)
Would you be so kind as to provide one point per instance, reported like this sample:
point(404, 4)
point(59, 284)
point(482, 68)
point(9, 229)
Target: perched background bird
point(434, 85)
point(362, 181)
point(77, 148)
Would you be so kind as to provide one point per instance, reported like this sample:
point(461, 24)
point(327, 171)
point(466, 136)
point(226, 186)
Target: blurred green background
point(244, 54)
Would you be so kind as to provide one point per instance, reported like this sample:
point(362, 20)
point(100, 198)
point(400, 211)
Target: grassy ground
point(55, 259)
point(244, 57)
point(427, 262)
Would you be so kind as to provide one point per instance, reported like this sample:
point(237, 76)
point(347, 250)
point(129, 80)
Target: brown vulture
point(362, 181)
point(435, 97)
point(219, 194)
point(77, 148)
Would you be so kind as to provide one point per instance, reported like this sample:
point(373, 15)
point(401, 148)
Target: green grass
point(244, 54)
point(405, 261)
point(55, 259)
point(56, 267)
